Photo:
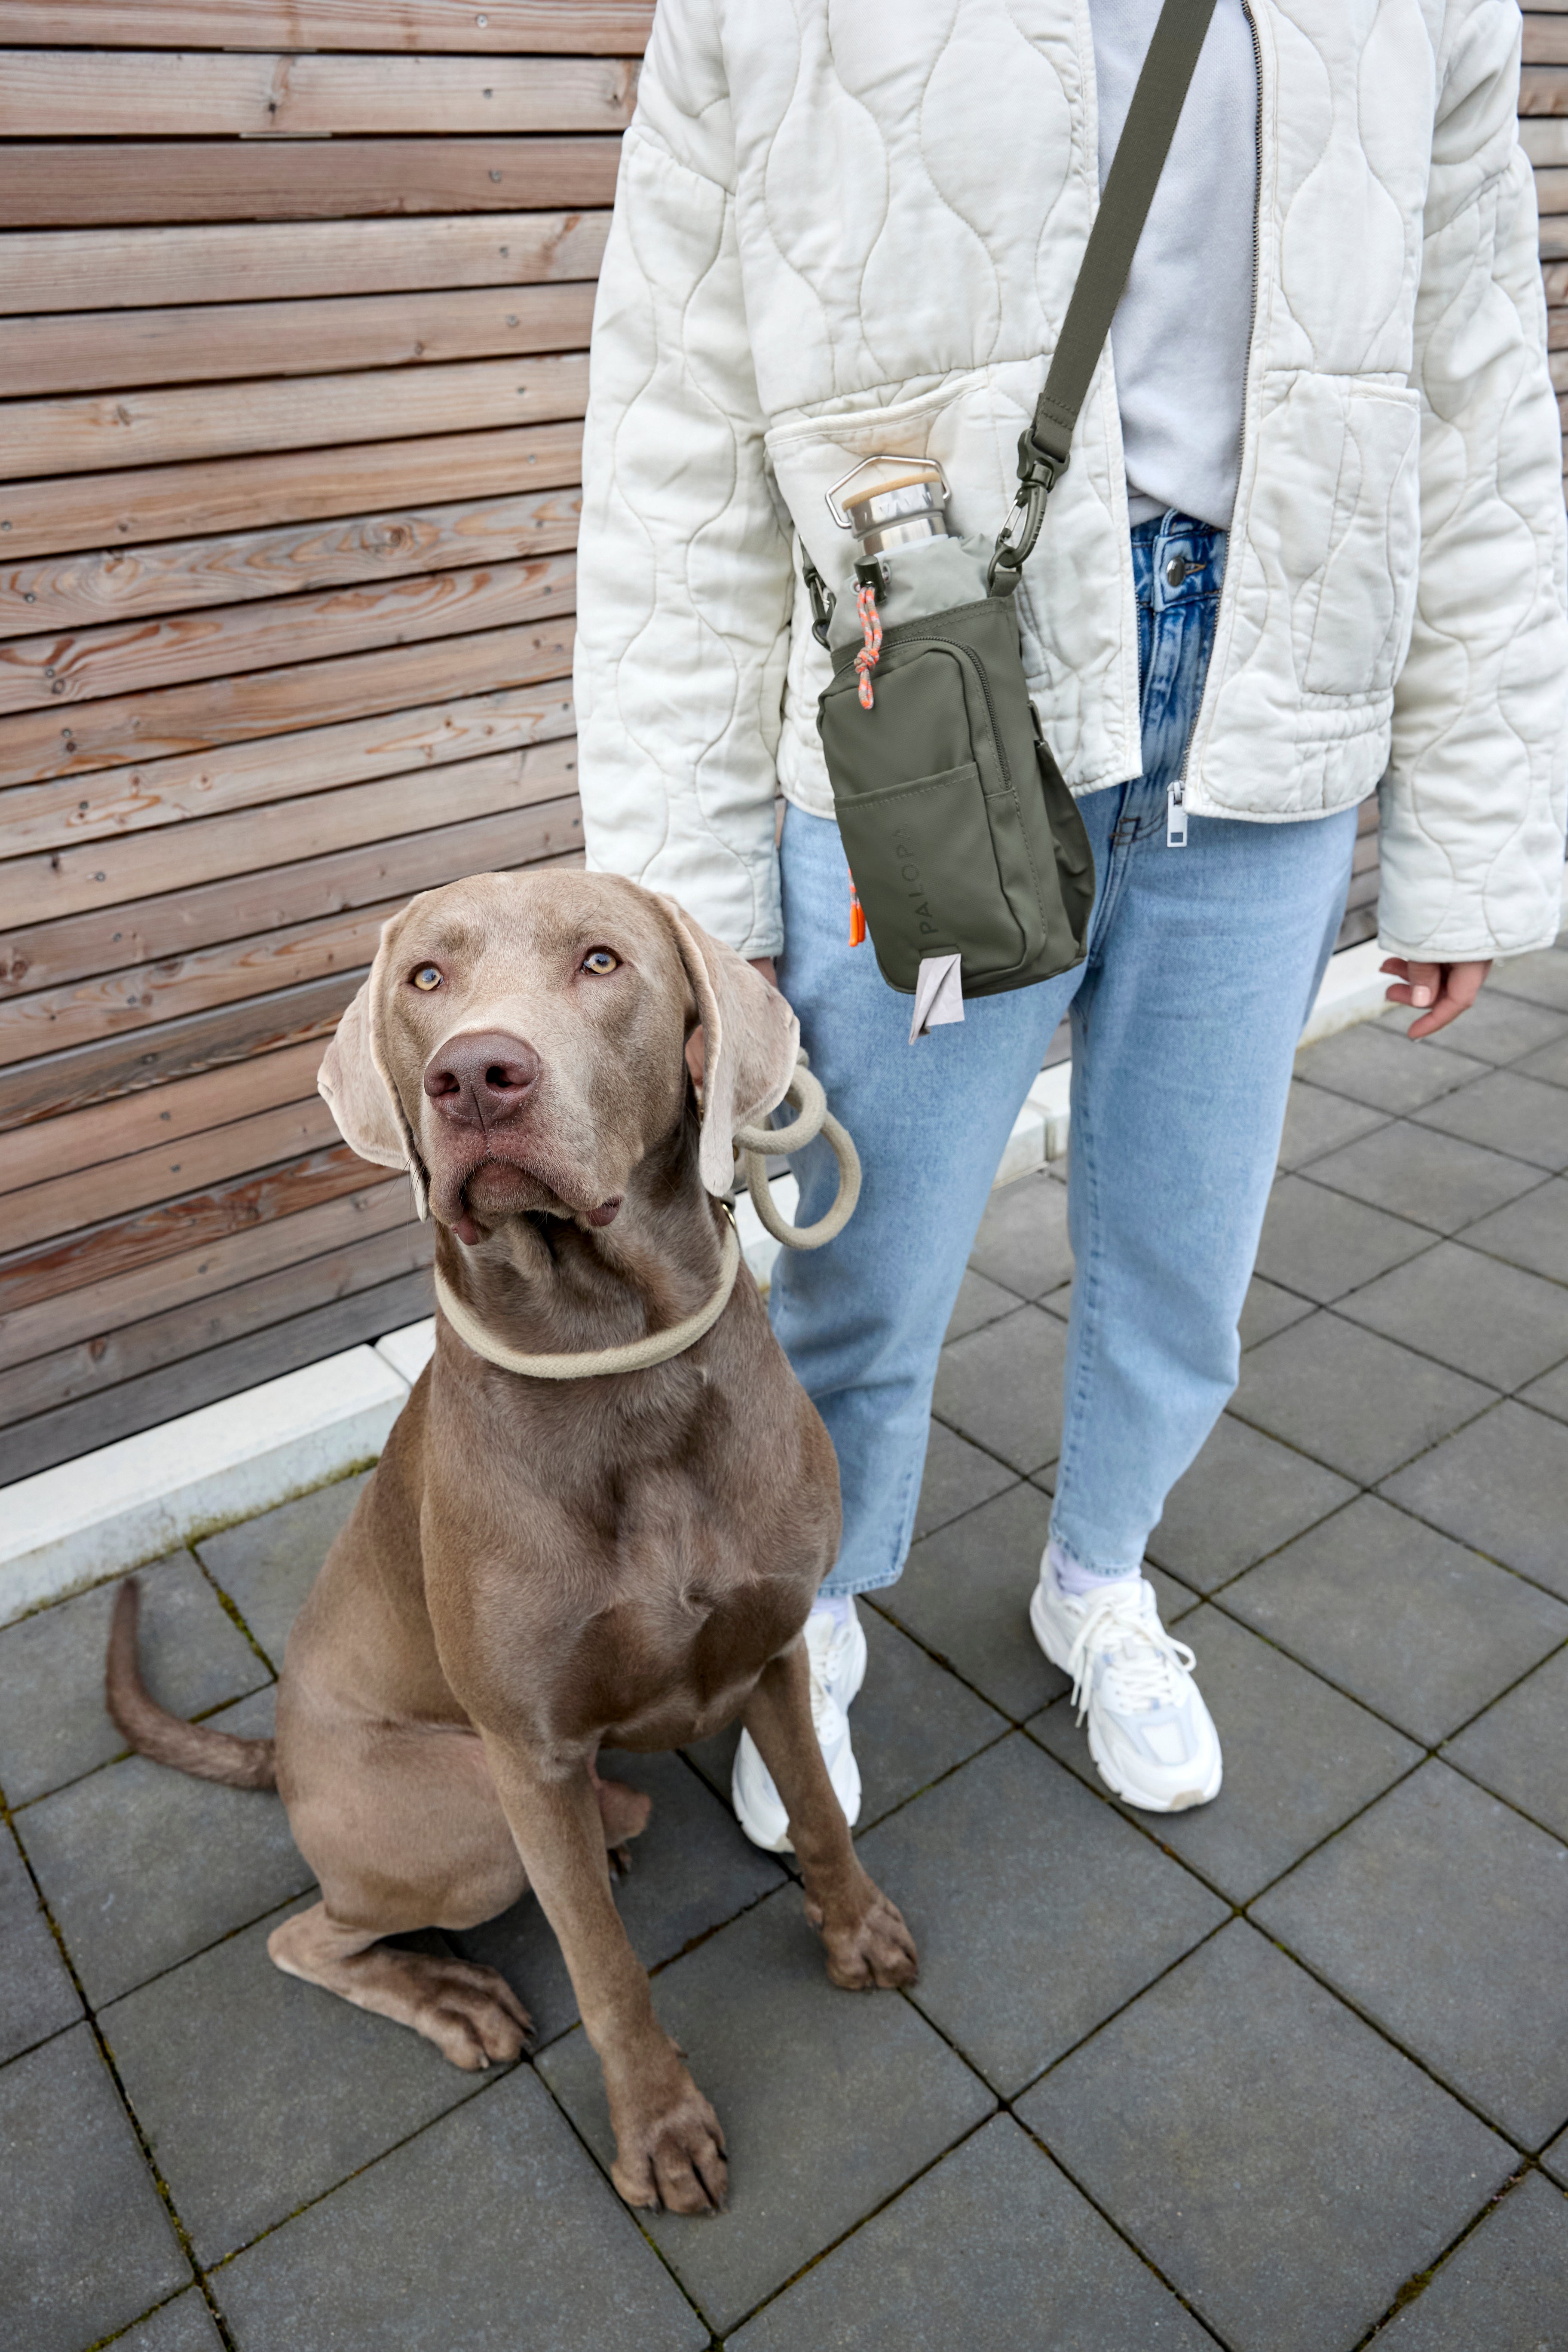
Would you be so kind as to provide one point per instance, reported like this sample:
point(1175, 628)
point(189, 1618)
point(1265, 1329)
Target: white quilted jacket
point(846, 225)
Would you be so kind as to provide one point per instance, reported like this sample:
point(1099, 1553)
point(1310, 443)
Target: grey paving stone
point(1443, 1917)
point(1351, 1398)
point(1002, 1387)
point(958, 1476)
point(992, 2250)
point(53, 1723)
point(1418, 1627)
point(1508, 1113)
point(183, 2326)
point(1532, 1232)
point(87, 2245)
point(1285, 2168)
point(269, 1564)
point(1022, 1238)
point(1376, 1064)
point(1517, 1749)
point(979, 1301)
point(1435, 1179)
point(1551, 1395)
point(1316, 1122)
point(1501, 1026)
point(1038, 1912)
point(1541, 977)
point(1550, 1064)
point(829, 2103)
point(1556, 2159)
point(141, 1866)
point(964, 1595)
point(1058, 1302)
point(1504, 2289)
point(1268, 1309)
point(1493, 1321)
point(36, 1996)
point(1299, 1759)
point(1244, 1496)
point(692, 1868)
point(1499, 1484)
point(1321, 1243)
point(258, 2092)
point(489, 2232)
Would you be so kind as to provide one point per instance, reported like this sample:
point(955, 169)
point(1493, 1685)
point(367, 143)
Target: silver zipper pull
point(1176, 816)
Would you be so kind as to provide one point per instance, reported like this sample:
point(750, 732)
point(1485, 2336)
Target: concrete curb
point(92, 1518)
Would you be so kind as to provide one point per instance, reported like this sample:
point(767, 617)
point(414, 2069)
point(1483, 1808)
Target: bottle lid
point(885, 489)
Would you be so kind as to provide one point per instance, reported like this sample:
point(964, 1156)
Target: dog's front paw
point(671, 2153)
point(871, 1947)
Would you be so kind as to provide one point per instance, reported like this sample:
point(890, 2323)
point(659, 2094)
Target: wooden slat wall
point(294, 308)
point(294, 302)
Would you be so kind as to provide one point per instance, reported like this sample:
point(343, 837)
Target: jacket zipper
point(1177, 797)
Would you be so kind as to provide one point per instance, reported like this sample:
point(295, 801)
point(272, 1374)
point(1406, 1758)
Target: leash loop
point(755, 1143)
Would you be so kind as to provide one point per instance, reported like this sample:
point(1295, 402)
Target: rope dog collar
point(635, 1355)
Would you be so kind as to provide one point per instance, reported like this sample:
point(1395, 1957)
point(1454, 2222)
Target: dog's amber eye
point(427, 977)
point(600, 960)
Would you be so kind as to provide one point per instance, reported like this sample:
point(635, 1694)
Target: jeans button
point(1176, 571)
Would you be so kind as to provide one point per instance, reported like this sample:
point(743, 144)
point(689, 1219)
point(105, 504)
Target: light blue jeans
point(1202, 967)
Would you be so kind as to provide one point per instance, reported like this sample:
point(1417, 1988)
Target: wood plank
point(95, 1365)
point(50, 1438)
point(165, 1285)
point(1542, 89)
point(163, 1114)
point(123, 1070)
point(146, 865)
point(67, 185)
point(64, 1203)
point(1557, 328)
point(598, 27)
point(166, 929)
point(1558, 362)
point(157, 1233)
point(112, 269)
point(237, 494)
point(1545, 40)
point(1544, 139)
point(1551, 187)
point(1555, 278)
point(111, 1004)
point(69, 434)
point(32, 746)
point(154, 94)
point(1553, 238)
point(182, 574)
point(125, 659)
point(216, 340)
point(73, 812)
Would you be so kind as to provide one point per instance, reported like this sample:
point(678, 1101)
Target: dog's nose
point(480, 1080)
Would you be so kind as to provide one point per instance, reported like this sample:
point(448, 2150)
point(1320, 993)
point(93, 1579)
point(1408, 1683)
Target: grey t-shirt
point(1180, 337)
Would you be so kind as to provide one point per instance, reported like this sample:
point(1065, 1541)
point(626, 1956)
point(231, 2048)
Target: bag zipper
point(1176, 798)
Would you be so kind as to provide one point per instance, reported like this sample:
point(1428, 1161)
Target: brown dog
point(541, 1566)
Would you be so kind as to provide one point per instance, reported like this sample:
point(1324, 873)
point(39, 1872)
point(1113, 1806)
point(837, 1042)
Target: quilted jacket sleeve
point(684, 567)
point(1472, 807)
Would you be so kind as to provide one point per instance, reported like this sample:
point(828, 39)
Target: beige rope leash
point(753, 1145)
point(634, 1356)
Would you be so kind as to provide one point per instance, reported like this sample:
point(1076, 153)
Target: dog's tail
point(151, 1730)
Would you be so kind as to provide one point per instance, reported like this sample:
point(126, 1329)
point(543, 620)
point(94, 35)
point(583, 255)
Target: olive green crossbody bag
point(961, 837)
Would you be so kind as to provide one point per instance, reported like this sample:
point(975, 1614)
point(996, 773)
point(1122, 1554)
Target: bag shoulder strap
point(1130, 185)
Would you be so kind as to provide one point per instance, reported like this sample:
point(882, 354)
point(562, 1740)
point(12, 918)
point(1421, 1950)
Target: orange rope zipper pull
point(857, 917)
point(871, 626)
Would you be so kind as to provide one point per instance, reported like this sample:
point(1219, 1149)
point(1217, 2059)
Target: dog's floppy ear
point(355, 1083)
point(750, 1043)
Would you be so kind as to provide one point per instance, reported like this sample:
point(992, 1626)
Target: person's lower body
point(1202, 965)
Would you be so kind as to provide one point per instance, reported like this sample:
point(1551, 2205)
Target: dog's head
point(520, 1046)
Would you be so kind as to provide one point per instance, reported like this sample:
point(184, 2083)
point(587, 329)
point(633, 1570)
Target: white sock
point(836, 1609)
point(1082, 1582)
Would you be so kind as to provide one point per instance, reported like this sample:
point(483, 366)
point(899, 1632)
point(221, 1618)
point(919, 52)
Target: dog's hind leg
point(470, 2014)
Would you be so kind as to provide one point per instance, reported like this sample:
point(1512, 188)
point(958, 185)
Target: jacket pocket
point(1353, 616)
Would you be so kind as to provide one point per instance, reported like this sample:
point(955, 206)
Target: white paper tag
point(939, 994)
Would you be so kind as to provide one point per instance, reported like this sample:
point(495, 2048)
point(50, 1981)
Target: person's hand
point(1446, 990)
point(764, 964)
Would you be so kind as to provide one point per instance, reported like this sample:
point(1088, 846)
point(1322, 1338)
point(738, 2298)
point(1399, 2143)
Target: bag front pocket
point(925, 867)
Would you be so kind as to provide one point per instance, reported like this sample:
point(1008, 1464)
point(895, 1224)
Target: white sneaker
point(1149, 1734)
point(838, 1655)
